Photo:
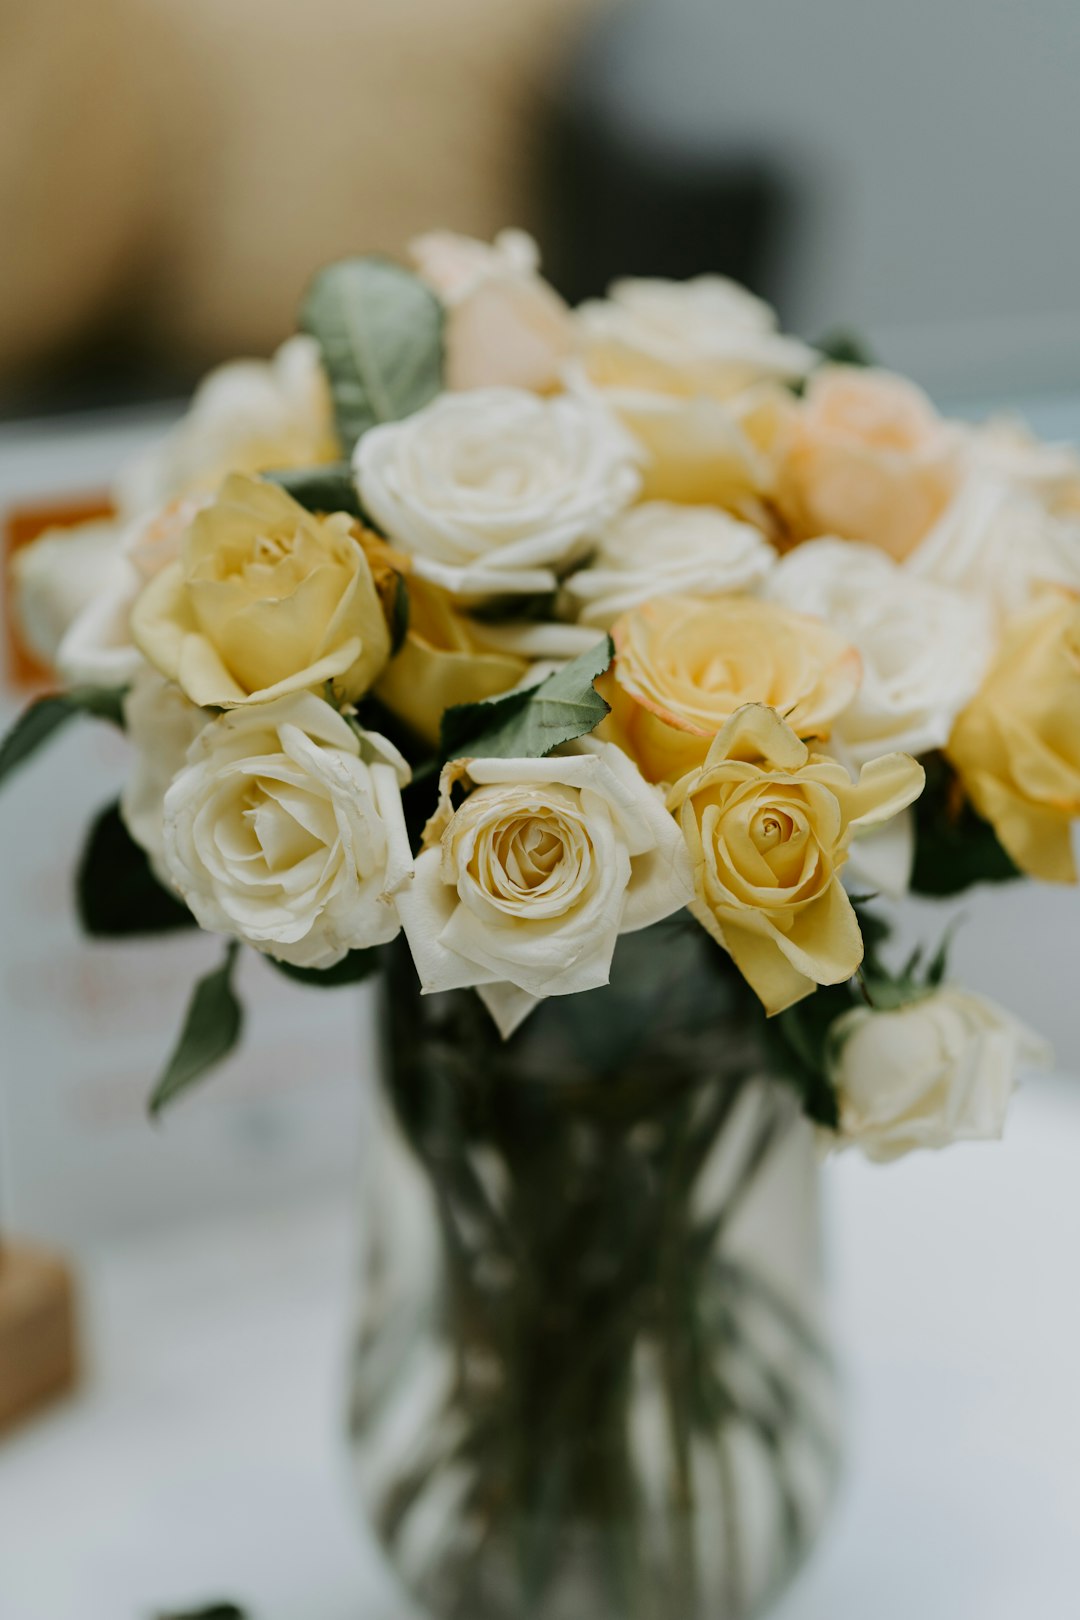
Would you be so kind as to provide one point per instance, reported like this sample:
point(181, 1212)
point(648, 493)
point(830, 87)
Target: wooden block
point(37, 1331)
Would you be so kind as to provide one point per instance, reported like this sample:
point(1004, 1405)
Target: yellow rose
point(683, 667)
point(265, 599)
point(449, 657)
point(703, 451)
point(865, 457)
point(768, 825)
point(441, 662)
point(1017, 744)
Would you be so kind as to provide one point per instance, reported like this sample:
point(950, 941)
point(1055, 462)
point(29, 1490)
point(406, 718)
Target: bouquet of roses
point(517, 628)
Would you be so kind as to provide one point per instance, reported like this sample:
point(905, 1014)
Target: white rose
point(1000, 542)
point(58, 575)
point(506, 327)
point(924, 647)
point(936, 1071)
point(492, 491)
point(1005, 449)
point(523, 891)
point(660, 549)
point(707, 336)
point(285, 829)
point(97, 648)
point(161, 725)
point(247, 416)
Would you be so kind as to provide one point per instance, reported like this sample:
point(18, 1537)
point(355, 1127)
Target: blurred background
point(171, 173)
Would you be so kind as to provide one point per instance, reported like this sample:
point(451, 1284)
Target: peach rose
point(865, 457)
point(506, 327)
point(684, 666)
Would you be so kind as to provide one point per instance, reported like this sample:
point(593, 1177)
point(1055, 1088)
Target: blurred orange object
point(24, 672)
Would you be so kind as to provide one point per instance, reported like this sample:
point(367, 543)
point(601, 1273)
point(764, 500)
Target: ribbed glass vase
point(590, 1378)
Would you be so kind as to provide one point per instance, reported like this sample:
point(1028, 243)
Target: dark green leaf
point(216, 1611)
point(352, 969)
point(380, 330)
point(842, 347)
point(529, 724)
point(117, 892)
point(800, 1037)
point(320, 489)
point(954, 846)
point(37, 724)
point(211, 1029)
point(938, 966)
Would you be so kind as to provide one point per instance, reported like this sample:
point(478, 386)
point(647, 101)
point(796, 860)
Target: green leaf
point(37, 724)
point(352, 969)
point(216, 1611)
point(320, 489)
point(529, 724)
point(117, 892)
point(938, 966)
point(954, 847)
point(800, 1036)
point(843, 347)
point(211, 1029)
point(380, 330)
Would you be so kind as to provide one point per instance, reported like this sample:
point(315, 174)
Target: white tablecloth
point(204, 1457)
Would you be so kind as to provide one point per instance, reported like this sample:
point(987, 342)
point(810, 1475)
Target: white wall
point(936, 143)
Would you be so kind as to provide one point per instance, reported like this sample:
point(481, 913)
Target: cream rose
point(661, 549)
point(936, 1071)
point(683, 667)
point(705, 337)
point(524, 889)
point(161, 725)
point(58, 575)
point(865, 457)
point(285, 829)
point(506, 327)
point(924, 647)
point(265, 599)
point(247, 416)
point(495, 491)
point(1016, 746)
point(768, 826)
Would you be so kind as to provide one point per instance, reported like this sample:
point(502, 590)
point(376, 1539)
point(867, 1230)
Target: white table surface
point(204, 1459)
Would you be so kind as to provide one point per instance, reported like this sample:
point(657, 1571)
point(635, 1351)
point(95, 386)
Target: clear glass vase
point(590, 1379)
